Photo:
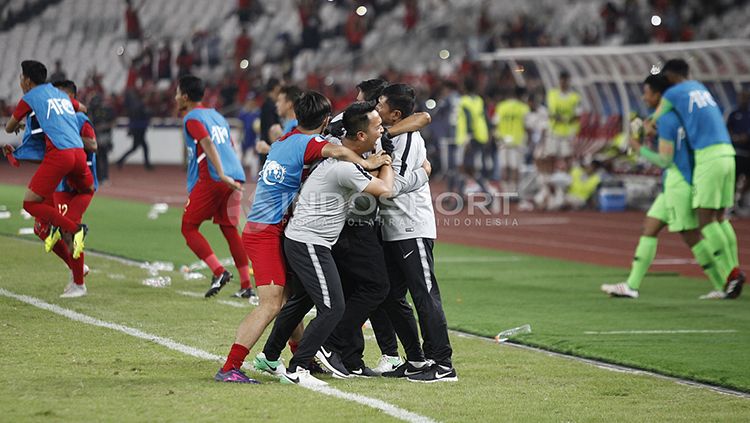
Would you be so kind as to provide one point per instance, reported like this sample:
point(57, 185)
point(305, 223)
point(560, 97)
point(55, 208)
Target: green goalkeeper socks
point(731, 237)
point(702, 253)
point(644, 255)
point(717, 241)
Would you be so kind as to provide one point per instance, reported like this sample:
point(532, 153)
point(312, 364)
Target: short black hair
point(35, 71)
point(520, 91)
point(271, 84)
point(67, 85)
point(678, 66)
point(658, 82)
point(355, 117)
point(292, 92)
point(400, 97)
point(193, 87)
point(564, 74)
point(372, 88)
point(312, 108)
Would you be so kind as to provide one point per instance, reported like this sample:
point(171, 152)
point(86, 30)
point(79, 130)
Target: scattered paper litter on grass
point(4, 214)
point(190, 276)
point(25, 214)
point(116, 276)
point(157, 209)
point(158, 282)
point(154, 268)
point(26, 231)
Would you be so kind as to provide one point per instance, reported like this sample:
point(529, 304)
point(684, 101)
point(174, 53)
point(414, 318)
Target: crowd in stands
point(236, 79)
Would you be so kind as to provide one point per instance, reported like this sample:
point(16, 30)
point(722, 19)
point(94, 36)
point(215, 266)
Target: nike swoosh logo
point(439, 375)
point(408, 254)
point(356, 372)
point(408, 373)
point(327, 354)
point(293, 379)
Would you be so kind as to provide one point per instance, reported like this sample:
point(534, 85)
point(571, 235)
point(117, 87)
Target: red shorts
point(212, 199)
point(57, 164)
point(73, 210)
point(263, 245)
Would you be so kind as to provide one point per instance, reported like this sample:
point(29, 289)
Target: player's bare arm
point(381, 186)
point(412, 123)
point(90, 145)
point(213, 156)
point(339, 152)
point(12, 126)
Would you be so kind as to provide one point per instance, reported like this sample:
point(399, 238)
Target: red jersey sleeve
point(314, 150)
point(88, 131)
point(196, 130)
point(76, 104)
point(22, 109)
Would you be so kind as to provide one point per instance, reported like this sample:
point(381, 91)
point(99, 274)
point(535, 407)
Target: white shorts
point(555, 147)
point(511, 157)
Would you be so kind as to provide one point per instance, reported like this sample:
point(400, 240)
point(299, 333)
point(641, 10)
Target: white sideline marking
point(383, 406)
point(658, 332)
point(225, 302)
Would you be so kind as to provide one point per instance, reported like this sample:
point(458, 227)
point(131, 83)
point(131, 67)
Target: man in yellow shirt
point(510, 134)
point(564, 113)
point(472, 137)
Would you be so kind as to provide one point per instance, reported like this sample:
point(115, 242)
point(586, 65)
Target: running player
point(319, 216)
point(64, 155)
point(71, 203)
point(673, 207)
point(409, 232)
point(714, 173)
point(278, 184)
point(214, 184)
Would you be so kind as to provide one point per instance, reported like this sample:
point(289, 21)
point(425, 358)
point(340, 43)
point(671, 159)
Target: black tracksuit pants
point(411, 266)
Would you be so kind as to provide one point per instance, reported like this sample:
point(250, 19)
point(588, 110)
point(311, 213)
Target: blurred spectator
point(411, 14)
point(139, 117)
point(164, 62)
point(510, 135)
point(242, 47)
point(103, 117)
point(355, 30)
point(738, 125)
point(213, 49)
point(228, 93)
point(185, 61)
point(245, 10)
point(311, 33)
point(268, 117)
point(146, 68)
point(59, 73)
point(198, 41)
point(249, 114)
point(132, 22)
point(584, 180)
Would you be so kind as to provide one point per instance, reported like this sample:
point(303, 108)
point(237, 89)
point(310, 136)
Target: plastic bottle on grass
point(506, 334)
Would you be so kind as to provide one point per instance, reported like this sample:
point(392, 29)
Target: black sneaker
point(331, 361)
point(315, 368)
point(218, 282)
point(363, 371)
point(406, 369)
point(733, 287)
point(244, 293)
point(435, 373)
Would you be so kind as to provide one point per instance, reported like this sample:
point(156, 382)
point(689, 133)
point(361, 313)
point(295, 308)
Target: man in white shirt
point(409, 233)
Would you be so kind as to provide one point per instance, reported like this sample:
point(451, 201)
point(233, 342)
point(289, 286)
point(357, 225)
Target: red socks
point(238, 254)
point(198, 244)
point(47, 213)
point(293, 346)
point(236, 357)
